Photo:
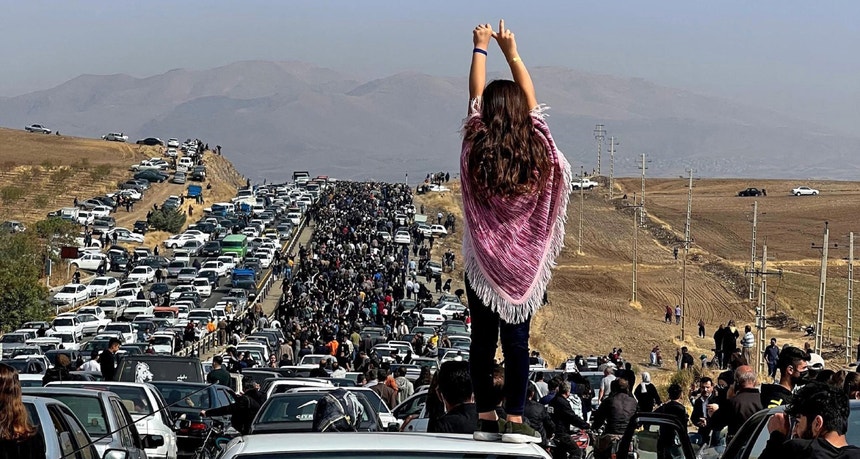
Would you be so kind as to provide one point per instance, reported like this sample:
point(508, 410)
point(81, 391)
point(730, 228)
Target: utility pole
point(752, 252)
point(636, 210)
point(686, 250)
point(761, 309)
point(612, 144)
point(599, 135)
point(822, 289)
point(642, 195)
point(849, 332)
point(581, 202)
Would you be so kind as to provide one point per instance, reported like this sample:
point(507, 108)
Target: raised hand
point(481, 36)
point(505, 38)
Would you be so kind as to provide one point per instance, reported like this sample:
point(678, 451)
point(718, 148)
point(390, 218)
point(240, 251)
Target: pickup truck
point(585, 184)
point(194, 191)
point(115, 137)
point(148, 165)
point(244, 279)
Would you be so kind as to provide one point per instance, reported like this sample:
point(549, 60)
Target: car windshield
point(99, 282)
point(298, 407)
point(64, 337)
point(430, 311)
point(118, 327)
point(12, 339)
point(69, 289)
point(63, 322)
point(139, 271)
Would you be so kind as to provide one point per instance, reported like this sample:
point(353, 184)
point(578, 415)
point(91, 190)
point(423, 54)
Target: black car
point(194, 297)
point(141, 226)
point(211, 249)
point(211, 276)
point(118, 261)
point(151, 141)
point(197, 176)
point(160, 289)
point(155, 262)
point(151, 176)
point(108, 201)
point(750, 192)
point(189, 399)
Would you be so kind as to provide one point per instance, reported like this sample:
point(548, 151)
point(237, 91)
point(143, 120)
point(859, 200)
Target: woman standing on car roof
point(515, 186)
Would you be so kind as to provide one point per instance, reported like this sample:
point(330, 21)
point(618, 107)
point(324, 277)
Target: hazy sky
point(797, 57)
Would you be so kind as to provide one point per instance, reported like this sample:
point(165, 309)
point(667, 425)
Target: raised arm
point(478, 72)
point(508, 44)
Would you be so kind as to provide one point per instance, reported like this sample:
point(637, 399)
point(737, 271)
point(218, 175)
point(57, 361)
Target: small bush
point(62, 174)
point(48, 165)
point(82, 165)
point(100, 172)
point(167, 220)
point(41, 201)
point(11, 194)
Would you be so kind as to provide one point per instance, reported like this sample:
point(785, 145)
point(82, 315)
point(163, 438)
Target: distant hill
point(273, 117)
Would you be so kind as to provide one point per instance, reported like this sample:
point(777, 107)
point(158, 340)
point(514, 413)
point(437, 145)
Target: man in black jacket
point(700, 408)
point(745, 402)
point(455, 390)
point(243, 409)
point(537, 416)
point(563, 417)
point(615, 412)
point(667, 447)
point(107, 360)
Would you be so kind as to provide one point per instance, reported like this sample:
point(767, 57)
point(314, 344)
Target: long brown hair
point(14, 421)
point(507, 158)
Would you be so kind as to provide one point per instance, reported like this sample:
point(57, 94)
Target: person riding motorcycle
point(562, 414)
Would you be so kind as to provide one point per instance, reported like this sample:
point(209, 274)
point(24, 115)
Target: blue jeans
point(486, 327)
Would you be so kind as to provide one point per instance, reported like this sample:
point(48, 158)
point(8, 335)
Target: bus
point(235, 243)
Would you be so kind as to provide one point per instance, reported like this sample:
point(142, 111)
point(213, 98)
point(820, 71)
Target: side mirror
point(152, 441)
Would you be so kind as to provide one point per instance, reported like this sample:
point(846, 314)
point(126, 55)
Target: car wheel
point(74, 266)
point(815, 193)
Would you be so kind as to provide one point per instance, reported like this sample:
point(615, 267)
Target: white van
point(185, 164)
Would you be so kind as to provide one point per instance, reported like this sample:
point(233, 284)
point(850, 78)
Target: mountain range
point(275, 117)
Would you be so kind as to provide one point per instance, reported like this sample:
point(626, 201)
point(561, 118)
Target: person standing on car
point(515, 187)
point(107, 360)
point(563, 417)
point(614, 413)
point(820, 413)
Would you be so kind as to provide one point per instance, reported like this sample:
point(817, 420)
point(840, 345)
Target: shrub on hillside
point(11, 194)
point(22, 294)
point(62, 174)
point(167, 220)
point(100, 172)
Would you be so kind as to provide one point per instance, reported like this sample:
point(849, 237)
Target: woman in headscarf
point(646, 394)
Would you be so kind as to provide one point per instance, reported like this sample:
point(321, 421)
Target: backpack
point(338, 411)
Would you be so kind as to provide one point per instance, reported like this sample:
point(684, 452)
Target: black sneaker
point(489, 430)
point(520, 432)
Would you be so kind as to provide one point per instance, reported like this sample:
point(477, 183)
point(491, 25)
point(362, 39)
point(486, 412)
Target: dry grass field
point(591, 311)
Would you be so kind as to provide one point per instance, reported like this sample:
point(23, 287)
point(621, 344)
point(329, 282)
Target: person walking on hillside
point(668, 317)
point(515, 187)
point(677, 314)
point(701, 328)
point(747, 344)
point(729, 342)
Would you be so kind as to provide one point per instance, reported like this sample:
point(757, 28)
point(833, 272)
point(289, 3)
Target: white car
point(200, 235)
point(127, 294)
point(125, 328)
point(90, 324)
point(228, 261)
point(216, 265)
point(100, 211)
point(101, 286)
point(431, 317)
point(71, 294)
point(264, 257)
point(179, 290)
point(438, 230)
point(68, 323)
point(69, 340)
point(37, 128)
point(142, 274)
point(94, 310)
point(172, 153)
point(89, 261)
point(179, 240)
point(124, 235)
point(448, 309)
point(203, 287)
point(804, 191)
point(173, 143)
point(130, 193)
point(402, 237)
point(115, 137)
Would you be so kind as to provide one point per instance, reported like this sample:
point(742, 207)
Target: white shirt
point(91, 365)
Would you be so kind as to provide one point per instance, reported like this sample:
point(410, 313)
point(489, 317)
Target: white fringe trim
point(518, 312)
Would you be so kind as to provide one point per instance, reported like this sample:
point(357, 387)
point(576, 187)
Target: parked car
point(60, 430)
point(101, 286)
point(146, 407)
point(115, 137)
point(804, 191)
point(71, 294)
point(189, 399)
point(160, 368)
point(750, 192)
point(151, 176)
point(108, 422)
point(178, 178)
point(124, 235)
point(584, 183)
point(37, 128)
point(142, 274)
point(431, 317)
point(294, 412)
point(151, 141)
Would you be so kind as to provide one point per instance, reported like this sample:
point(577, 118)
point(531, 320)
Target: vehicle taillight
point(197, 426)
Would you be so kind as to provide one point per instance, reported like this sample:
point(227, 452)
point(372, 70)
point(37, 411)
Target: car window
point(125, 434)
point(88, 410)
point(223, 398)
point(82, 440)
point(412, 406)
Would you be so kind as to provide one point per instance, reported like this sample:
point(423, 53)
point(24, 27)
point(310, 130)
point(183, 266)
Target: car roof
point(460, 444)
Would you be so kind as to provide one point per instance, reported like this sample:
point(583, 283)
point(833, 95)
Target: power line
point(642, 195)
point(822, 287)
point(599, 135)
point(636, 210)
point(613, 142)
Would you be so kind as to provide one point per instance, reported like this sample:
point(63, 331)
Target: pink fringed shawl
point(510, 244)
